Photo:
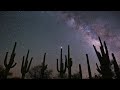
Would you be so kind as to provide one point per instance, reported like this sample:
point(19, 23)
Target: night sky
point(42, 32)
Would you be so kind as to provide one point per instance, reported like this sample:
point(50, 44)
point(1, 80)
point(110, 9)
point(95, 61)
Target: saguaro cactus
point(116, 67)
point(69, 63)
point(44, 67)
point(105, 64)
point(62, 69)
point(25, 66)
point(11, 61)
point(89, 69)
point(80, 71)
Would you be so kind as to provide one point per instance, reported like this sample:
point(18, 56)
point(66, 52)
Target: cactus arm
point(102, 51)
point(27, 56)
point(64, 70)
point(57, 66)
point(12, 56)
point(101, 47)
point(100, 42)
point(44, 58)
point(113, 57)
point(98, 69)
point(29, 64)
point(68, 51)
point(12, 59)
point(23, 65)
point(23, 62)
point(107, 54)
point(26, 61)
point(65, 64)
point(5, 60)
point(116, 66)
point(26, 64)
point(13, 65)
point(71, 63)
point(66, 61)
point(98, 54)
point(95, 48)
point(106, 48)
point(14, 48)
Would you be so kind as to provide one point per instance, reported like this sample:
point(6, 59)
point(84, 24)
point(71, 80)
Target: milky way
point(49, 31)
point(96, 23)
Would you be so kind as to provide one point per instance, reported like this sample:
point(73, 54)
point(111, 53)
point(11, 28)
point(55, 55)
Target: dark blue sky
point(47, 31)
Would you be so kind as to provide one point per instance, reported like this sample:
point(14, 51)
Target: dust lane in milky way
point(97, 23)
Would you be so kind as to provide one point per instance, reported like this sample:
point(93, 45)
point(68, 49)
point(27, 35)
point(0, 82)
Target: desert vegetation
point(63, 66)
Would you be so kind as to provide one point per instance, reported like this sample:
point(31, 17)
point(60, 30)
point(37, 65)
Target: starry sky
point(47, 31)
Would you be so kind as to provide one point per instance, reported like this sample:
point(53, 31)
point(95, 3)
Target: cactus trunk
point(80, 71)
point(69, 63)
point(63, 66)
point(89, 69)
point(44, 67)
point(23, 76)
point(116, 67)
point(105, 64)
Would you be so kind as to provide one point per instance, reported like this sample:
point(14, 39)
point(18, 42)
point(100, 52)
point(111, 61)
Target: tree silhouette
point(58, 76)
point(35, 73)
point(97, 76)
point(76, 76)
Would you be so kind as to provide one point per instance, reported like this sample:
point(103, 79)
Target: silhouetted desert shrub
point(35, 73)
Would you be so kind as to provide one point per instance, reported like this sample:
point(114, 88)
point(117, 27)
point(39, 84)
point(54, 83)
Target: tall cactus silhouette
point(62, 69)
point(69, 63)
point(44, 67)
point(89, 69)
point(25, 66)
point(11, 61)
point(105, 64)
point(116, 67)
point(80, 71)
